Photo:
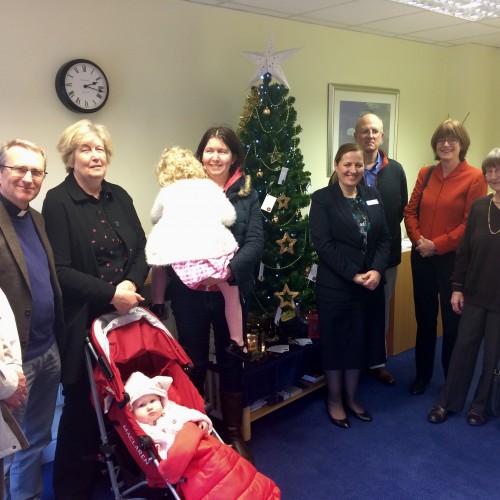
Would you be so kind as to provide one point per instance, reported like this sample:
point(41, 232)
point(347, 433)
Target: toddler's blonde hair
point(177, 164)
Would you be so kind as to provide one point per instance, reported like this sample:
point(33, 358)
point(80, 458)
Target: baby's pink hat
point(138, 385)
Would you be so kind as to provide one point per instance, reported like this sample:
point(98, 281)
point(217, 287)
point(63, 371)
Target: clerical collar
point(12, 209)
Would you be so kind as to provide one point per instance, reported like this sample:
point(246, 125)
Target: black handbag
point(495, 393)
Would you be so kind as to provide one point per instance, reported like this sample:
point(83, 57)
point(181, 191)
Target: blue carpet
point(397, 456)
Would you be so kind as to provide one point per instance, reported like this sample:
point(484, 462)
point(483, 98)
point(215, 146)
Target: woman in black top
point(98, 245)
point(349, 232)
point(197, 311)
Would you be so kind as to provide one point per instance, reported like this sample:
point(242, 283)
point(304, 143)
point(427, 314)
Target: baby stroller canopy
point(126, 343)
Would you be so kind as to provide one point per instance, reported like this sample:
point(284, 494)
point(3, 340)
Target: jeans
point(23, 470)
point(195, 313)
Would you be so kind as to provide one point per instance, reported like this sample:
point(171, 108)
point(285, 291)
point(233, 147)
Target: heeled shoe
point(339, 422)
point(342, 422)
point(364, 416)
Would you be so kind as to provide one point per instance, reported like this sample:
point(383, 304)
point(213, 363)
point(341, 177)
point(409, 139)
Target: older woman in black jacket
point(349, 232)
point(476, 297)
point(98, 245)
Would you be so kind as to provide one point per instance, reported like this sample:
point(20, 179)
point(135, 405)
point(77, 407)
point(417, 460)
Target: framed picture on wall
point(346, 103)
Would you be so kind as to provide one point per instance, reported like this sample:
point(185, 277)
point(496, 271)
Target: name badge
point(372, 202)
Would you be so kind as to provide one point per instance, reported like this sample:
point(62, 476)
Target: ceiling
point(376, 17)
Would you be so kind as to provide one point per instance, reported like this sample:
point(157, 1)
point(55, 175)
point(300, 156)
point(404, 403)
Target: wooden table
point(402, 324)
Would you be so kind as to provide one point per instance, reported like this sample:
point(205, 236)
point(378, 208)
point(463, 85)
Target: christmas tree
point(269, 134)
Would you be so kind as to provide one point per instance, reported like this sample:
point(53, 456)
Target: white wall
point(175, 69)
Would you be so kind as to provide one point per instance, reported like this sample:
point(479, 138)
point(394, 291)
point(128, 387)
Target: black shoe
point(158, 310)
point(235, 440)
point(343, 422)
point(437, 415)
point(364, 416)
point(339, 422)
point(236, 350)
point(419, 386)
point(475, 418)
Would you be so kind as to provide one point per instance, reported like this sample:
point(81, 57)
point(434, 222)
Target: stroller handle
point(101, 360)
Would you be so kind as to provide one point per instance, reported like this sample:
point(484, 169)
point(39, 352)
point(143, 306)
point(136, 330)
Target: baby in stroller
point(159, 417)
point(191, 217)
point(211, 469)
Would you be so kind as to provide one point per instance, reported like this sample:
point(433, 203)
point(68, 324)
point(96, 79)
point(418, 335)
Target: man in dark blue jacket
point(389, 178)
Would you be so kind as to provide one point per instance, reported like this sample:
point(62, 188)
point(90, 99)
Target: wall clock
point(82, 86)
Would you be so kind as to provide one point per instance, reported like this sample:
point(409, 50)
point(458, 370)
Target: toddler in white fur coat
point(191, 217)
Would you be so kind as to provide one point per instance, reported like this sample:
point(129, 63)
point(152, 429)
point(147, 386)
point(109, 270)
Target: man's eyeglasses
point(369, 131)
point(22, 171)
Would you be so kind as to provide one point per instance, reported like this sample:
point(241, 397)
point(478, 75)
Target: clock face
point(82, 86)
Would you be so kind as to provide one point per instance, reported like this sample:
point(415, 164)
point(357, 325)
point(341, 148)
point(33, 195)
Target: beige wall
point(175, 68)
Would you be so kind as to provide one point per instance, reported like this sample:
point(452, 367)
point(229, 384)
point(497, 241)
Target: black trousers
point(75, 463)
point(476, 324)
point(196, 313)
point(431, 290)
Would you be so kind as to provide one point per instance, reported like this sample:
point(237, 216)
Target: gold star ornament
point(275, 155)
point(283, 201)
point(290, 296)
point(286, 244)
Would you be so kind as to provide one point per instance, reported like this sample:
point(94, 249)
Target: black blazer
point(14, 279)
point(337, 239)
point(77, 269)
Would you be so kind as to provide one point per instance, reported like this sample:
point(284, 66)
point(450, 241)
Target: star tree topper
point(270, 62)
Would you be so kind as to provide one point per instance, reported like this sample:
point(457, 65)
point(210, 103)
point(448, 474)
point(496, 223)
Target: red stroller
point(199, 465)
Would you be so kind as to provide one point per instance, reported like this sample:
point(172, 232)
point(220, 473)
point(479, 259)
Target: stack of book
point(309, 379)
point(288, 392)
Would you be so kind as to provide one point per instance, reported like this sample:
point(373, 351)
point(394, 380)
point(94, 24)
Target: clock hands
point(89, 86)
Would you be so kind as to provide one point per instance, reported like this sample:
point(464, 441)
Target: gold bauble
point(275, 219)
point(260, 173)
point(266, 111)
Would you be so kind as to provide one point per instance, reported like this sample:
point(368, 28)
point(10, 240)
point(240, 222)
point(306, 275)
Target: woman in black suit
point(98, 245)
point(350, 235)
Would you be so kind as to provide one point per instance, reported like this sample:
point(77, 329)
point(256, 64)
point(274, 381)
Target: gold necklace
point(489, 218)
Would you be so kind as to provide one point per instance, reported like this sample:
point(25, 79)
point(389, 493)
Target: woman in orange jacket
point(435, 220)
